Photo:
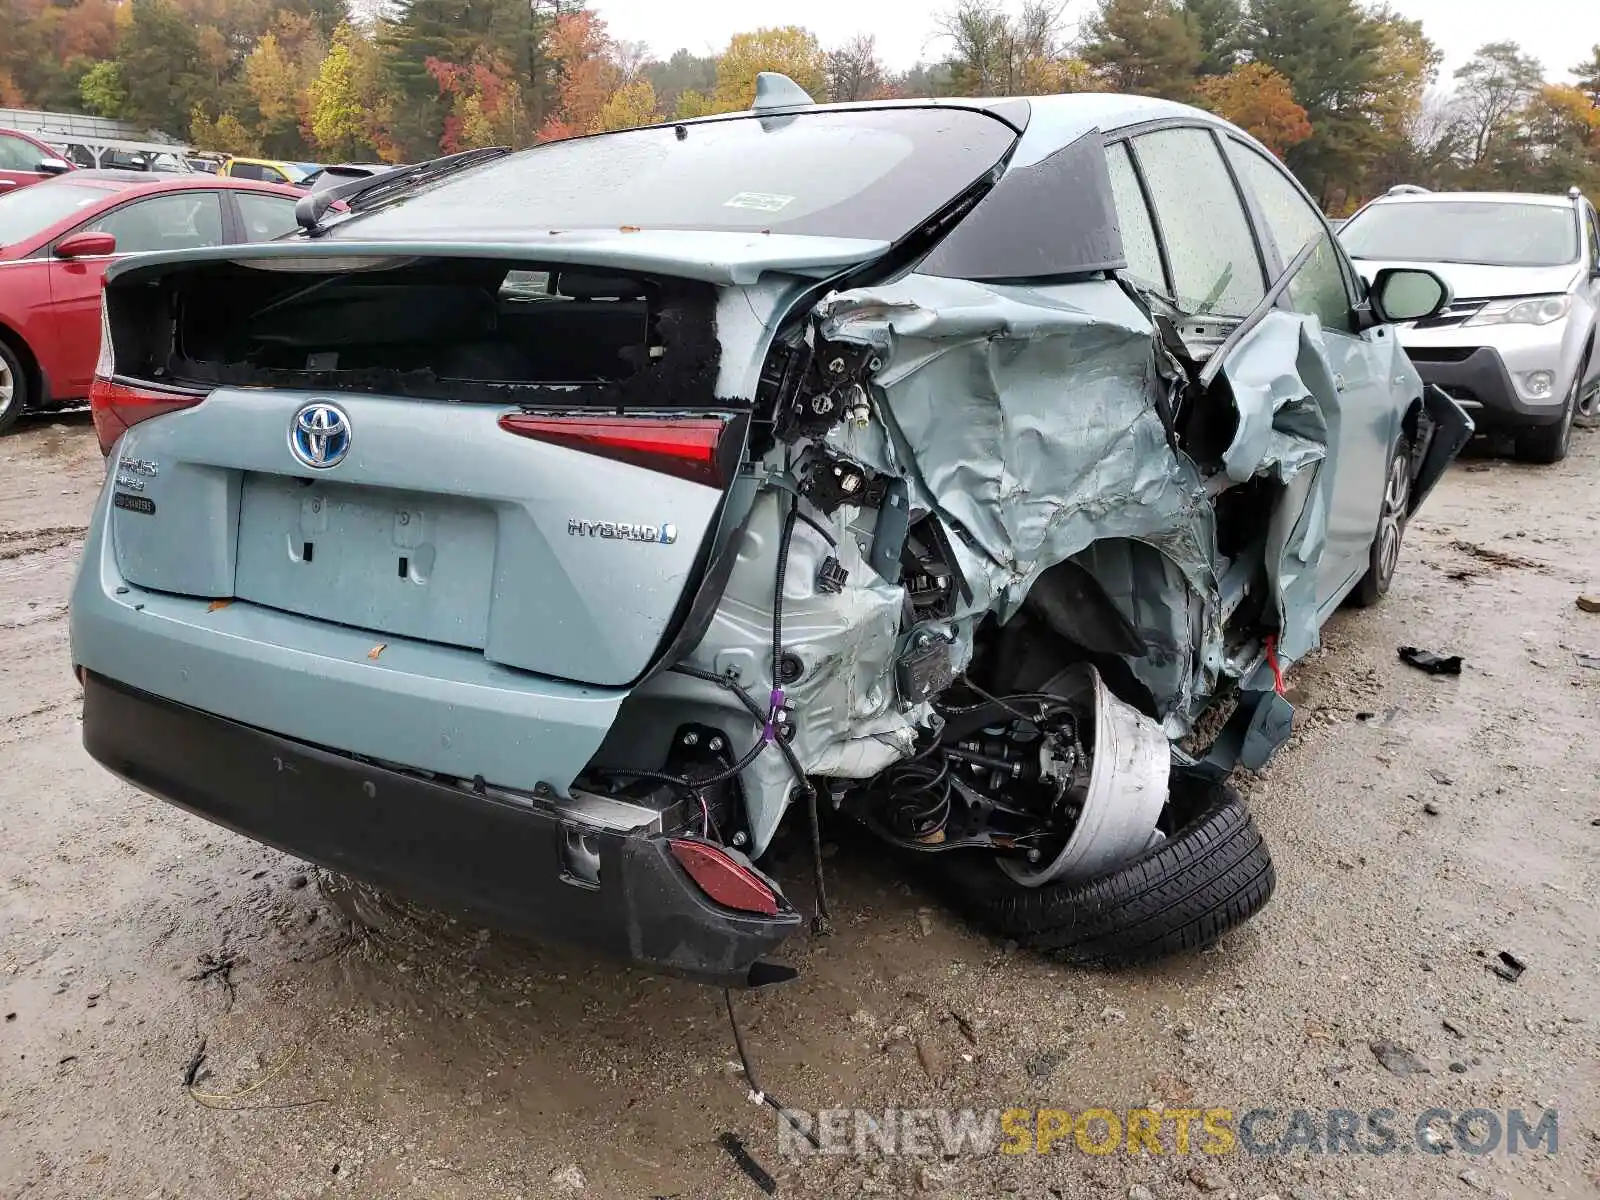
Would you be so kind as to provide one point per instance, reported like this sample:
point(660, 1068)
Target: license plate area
point(410, 564)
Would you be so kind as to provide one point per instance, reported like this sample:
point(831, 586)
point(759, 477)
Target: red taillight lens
point(689, 447)
point(729, 883)
point(118, 407)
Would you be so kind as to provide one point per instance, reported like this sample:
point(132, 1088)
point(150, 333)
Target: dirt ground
point(1421, 826)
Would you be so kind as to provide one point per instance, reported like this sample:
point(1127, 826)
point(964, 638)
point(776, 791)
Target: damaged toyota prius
point(541, 534)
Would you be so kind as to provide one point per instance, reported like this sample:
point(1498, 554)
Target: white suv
point(1517, 345)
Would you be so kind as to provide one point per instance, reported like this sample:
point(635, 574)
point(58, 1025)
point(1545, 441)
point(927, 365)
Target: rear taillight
point(690, 448)
point(729, 883)
point(118, 407)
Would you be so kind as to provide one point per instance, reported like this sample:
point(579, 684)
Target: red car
point(24, 159)
point(56, 239)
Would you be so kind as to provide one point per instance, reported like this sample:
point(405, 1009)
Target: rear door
point(170, 221)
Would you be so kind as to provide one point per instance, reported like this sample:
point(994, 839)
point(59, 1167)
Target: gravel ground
point(355, 1046)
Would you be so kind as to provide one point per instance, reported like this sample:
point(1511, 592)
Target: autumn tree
point(275, 87)
point(580, 48)
point(102, 89)
point(1218, 27)
point(485, 104)
point(1331, 51)
point(924, 79)
point(786, 49)
point(995, 53)
point(683, 72)
point(343, 100)
point(1588, 74)
point(692, 103)
point(1491, 90)
point(161, 66)
point(853, 69)
point(631, 105)
point(226, 134)
point(1261, 102)
point(1143, 46)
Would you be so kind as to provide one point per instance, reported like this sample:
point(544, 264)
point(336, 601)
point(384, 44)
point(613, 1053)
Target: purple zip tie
point(770, 733)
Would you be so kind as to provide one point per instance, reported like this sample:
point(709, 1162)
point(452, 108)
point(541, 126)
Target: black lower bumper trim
point(1480, 381)
point(496, 860)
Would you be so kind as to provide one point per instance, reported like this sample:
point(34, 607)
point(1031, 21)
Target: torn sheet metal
point(1286, 399)
point(1028, 423)
point(1027, 419)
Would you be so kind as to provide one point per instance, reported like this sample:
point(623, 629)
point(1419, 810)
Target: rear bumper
point(445, 845)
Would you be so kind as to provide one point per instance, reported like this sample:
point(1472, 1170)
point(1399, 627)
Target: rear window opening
point(437, 328)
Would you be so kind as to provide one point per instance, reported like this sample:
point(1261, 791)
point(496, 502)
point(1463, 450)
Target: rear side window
point(1133, 215)
point(1318, 287)
point(180, 221)
point(1215, 267)
point(265, 217)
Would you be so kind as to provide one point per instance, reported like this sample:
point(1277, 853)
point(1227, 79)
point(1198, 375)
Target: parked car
point(268, 170)
point(207, 164)
point(24, 159)
point(1518, 344)
point(58, 238)
point(332, 176)
point(539, 534)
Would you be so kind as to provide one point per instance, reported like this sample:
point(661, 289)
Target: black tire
point(1383, 556)
point(1211, 876)
point(13, 386)
point(1548, 444)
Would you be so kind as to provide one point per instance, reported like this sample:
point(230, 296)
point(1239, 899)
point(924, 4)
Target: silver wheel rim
point(1391, 524)
point(1569, 413)
point(8, 387)
point(1589, 406)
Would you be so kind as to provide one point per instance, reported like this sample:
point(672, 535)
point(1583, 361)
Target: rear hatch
point(474, 453)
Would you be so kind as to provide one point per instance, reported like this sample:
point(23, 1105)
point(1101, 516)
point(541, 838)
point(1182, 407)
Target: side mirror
point(89, 244)
point(53, 166)
point(1406, 294)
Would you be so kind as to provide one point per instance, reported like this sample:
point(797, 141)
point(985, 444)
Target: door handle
point(1338, 383)
point(7, 183)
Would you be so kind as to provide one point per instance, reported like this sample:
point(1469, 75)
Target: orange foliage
point(581, 48)
point(88, 30)
point(1261, 102)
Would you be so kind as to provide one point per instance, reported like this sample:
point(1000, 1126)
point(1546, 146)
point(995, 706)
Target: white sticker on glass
point(760, 201)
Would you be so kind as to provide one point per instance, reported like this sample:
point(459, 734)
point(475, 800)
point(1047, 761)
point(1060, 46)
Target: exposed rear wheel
point(13, 387)
point(1211, 874)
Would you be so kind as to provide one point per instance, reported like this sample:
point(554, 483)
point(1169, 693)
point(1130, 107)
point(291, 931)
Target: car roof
point(23, 134)
point(1542, 198)
point(168, 181)
point(1070, 115)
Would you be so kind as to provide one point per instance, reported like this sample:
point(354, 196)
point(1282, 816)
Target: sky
point(1551, 30)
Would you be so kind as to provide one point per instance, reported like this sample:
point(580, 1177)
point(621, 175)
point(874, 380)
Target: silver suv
point(1517, 345)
